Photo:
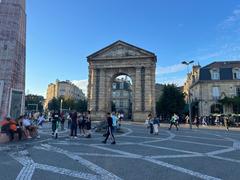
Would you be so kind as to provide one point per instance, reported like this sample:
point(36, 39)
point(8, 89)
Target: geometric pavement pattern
point(184, 154)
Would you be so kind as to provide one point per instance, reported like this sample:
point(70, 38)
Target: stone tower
point(12, 57)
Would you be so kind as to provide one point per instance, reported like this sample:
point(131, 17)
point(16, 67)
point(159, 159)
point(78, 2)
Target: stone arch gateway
point(116, 59)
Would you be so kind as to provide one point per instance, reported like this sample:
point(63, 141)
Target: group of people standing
point(75, 120)
point(153, 123)
point(83, 122)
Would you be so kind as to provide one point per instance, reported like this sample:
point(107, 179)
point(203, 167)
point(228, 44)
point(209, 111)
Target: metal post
point(61, 106)
point(189, 94)
point(189, 109)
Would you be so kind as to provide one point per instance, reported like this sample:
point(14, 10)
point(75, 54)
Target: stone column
point(153, 74)
point(102, 91)
point(148, 90)
point(137, 97)
point(91, 89)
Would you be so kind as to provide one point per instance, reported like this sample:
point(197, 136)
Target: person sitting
point(12, 129)
point(5, 126)
point(28, 126)
point(19, 127)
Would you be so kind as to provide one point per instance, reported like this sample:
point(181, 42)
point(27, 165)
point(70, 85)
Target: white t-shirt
point(41, 118)
point(26, 122)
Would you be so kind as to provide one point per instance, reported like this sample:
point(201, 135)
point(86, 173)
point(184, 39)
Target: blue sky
point(62, 33)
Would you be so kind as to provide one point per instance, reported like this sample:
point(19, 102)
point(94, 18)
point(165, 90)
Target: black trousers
point(74, 129)
point(173, 123)
point(19, 132)
point(109, 133)
point(81, 127)
point(54, 126)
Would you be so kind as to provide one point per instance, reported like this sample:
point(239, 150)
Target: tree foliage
point(67, 104)
point(171, 101)
point(235, 102)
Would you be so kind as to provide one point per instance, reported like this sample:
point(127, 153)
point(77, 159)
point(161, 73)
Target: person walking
point(81, 124)
point(226, 122)
point(69, 120)
point(204, 121)
point(156, 124)
point(197, 119)
point(74, 124)
point(109, 130)
point(150, 123)
point(174, 121)
point(186, 119)
point(88, 124)
point(55, 123)
point(62, 121)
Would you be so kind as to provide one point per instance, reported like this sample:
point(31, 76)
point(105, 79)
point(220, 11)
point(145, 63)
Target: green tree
point(81, 105)
point(234, 102)
point(171, 101)
point(54, 104)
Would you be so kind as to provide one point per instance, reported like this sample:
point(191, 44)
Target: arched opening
point(216, 109)
point(121, 97)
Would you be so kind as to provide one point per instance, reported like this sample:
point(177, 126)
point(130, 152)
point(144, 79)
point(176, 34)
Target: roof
point(122, 43)
point(222, 64)
point(225, 70)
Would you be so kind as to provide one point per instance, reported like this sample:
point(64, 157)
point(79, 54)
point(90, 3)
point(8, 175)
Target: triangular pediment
point(120, 49)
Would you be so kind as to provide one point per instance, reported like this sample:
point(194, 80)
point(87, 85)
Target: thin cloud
point(170, 69)
point(179, 81)
point(227, 44)
point(231, 20)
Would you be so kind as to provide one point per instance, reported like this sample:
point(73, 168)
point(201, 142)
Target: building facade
point(12, 57)
point(122, 97)
point(210, 84)
point(64, 89)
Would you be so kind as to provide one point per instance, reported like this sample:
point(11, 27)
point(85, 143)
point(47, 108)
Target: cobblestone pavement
point(183, 154)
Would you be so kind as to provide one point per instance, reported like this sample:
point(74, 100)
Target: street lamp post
point(187, 63)
point(61, 105)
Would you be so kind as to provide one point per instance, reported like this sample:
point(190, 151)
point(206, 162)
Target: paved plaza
point(184, 154)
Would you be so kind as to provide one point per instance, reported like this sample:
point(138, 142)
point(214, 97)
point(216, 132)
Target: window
point(121, 85)
point(117, 94)
point(114, 86)
point(215, 74)
point(125, 104)
point(215, 92)
point(121, 103)
point(238, 91)
point(193, 79)
point(121, 93)
point(126, 93)
point(236, 73)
